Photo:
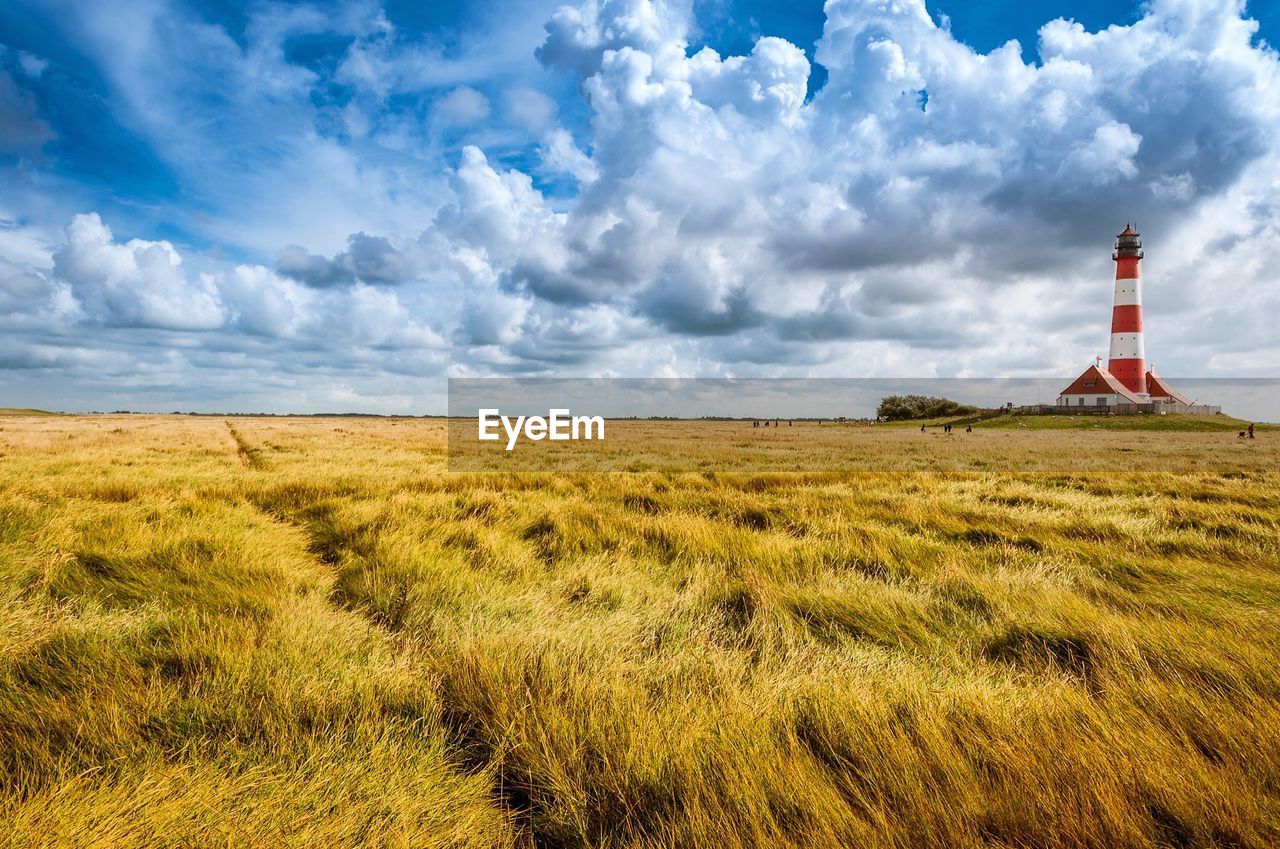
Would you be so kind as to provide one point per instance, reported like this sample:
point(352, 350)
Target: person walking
point(1251, 430)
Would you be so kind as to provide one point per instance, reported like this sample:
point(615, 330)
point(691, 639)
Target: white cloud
point(31, 64)
point(137, 284)
point(461, 106)
point(22, 289)
point(579, 36)
point(769, 84)
point(24, 244)
point(246, 130)
point(561, 155)
point(144, 285)
point(265, 304)
point(500, 214)
point(530, 109)
point(1104, 158)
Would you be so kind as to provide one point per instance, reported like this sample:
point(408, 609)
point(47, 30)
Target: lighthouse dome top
point(1128, 244)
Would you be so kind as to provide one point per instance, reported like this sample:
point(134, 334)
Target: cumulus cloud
point(369, 259)
point(500, 216)
point(135, 284)
point(561, 155)
point(769, 84)
point(295, 263)
point(141, 285)
point(263, 304)
point(580, 36)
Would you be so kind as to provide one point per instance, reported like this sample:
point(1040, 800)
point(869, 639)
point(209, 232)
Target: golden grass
point(736, 448)
point(305, 633)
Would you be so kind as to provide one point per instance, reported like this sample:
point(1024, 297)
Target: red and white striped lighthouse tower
point(1127, 362)
point(1126, 385)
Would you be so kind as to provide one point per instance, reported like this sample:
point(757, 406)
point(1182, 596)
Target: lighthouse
point(1125, 384)
point(1127, 362)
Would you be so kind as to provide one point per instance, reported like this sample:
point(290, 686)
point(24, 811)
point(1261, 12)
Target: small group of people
point(946, 428)
point(1247, 433)
point(775, 423)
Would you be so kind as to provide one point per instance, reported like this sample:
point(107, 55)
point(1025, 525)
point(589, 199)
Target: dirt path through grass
point(174, 673)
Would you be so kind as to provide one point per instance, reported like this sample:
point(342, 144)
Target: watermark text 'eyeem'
point(558, 425)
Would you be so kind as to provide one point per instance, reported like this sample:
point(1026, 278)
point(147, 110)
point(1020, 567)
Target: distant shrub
point(901, 407)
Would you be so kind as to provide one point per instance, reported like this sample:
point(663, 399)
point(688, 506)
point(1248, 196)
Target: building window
point(1102, 402)
point(1080, 401)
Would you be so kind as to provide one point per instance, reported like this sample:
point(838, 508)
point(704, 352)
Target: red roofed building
point(1162, 392)
point(1097, 387)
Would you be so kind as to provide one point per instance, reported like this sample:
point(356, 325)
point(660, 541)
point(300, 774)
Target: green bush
point(901, 407)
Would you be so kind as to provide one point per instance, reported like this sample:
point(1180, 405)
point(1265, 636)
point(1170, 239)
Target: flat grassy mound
point(15, 411)
point(1170, 422)
point(306, 632)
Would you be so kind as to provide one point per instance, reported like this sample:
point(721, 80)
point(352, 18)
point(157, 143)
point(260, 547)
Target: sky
point(216, 206)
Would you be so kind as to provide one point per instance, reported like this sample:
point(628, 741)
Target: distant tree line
point(899, 407)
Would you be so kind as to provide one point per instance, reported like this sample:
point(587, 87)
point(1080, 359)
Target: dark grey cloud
point(368, 259)
point(313, 270)
point(554, 285)
point(686, 306)
point(373, 259)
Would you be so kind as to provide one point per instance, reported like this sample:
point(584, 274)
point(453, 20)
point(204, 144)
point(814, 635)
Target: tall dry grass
point(304, 633)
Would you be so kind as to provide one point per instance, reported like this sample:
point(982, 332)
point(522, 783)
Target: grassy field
point(1070, 444)
point(1172, 422)
point(305, 632)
